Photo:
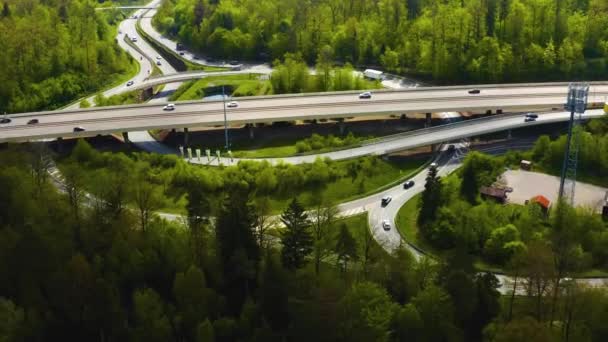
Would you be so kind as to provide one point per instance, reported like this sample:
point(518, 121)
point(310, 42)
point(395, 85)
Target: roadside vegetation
point(289, 76)
point(174, 179)
point(451, 41)
point(315, 144)
point(56, 52)
point(451, 216)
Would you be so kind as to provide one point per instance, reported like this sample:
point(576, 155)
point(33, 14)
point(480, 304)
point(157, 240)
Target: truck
point(373, 74)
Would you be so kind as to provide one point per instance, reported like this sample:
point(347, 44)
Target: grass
point(346, 189)
point(242, 85)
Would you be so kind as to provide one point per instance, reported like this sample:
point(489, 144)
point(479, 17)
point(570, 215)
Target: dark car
point(386, 200)
point(474, 91)
point(532, 115)
point(5, 120)
point(451, 148)
point(408, 184)
point(181, 53)
point(33, 122)
point(79, 129)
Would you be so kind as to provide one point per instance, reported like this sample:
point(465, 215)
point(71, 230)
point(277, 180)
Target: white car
point(232, 104)
point(169, 106)
point(130, 83)
point(158, 57)
point(365, 95)
point(134, 39)
point(386, 225)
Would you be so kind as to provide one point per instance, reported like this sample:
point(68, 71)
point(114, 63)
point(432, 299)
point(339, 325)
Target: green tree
point(151, 321)
point(191, 295)
point(366, 313)
point(238, 250)
point(204, 332)
point(346, 248)
point(296, 240)
point(431, 198)
point(273, 294)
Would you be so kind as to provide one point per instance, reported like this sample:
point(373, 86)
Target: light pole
point(225, 119)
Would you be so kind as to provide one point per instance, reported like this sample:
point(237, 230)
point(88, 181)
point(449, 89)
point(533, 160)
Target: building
point(543, 201)
point(497, 194)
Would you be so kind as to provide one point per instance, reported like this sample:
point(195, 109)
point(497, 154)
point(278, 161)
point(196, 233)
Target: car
point(169, 106)
point(529, 119)
point(474, 91)
point(532, 115)
point(232, 104)
point(5, 120)
point(234, 63)
point(33, 122)
point(433, 165)
point(158, 57)
point(386, 225)
point(135, 17)
point(158, 63)
point(410, 183)
point(386, 200)
point(195, 57)
point(365, 95)
point(134, 39)
point(181, 53)
point(130, 83)
point(451, 148)
point(79, 129)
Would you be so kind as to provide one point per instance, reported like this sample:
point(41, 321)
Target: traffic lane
point(132, 119)
point(290, 108)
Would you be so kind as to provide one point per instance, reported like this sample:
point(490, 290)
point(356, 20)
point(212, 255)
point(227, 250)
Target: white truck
point(373, 74)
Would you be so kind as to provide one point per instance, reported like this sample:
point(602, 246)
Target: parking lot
point(527, 184)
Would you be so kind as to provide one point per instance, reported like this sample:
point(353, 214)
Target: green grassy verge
point(346, 189)
point(242, 85)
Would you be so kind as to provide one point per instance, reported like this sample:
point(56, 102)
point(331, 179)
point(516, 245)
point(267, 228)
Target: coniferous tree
point(296, 240)
point(431, 197)
point(346, 248)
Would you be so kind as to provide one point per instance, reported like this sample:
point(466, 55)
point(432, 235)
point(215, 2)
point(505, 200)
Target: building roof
point(493, 192)
point(542, 200)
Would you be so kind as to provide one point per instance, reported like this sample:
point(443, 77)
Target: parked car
point(232, 104)
point(33, 122)
point(474, 91)
point(130, 83)
point(386, 200)
point(365, 95)
point(410, 183)
point(79, 129)
point(386, 225)
point(169, 106)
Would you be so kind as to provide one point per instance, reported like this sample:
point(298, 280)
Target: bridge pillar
point(509, 135)
point(186, 136)
point(251, 131)
point(125, 137)
point(59, 145)
point(147, 94)
point(428, 120)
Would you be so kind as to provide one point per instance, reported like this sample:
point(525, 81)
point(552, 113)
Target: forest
point(54, 52)
point(101, 268)
point(443, 40)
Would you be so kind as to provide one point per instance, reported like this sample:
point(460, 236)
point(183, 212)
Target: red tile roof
point(542, 200)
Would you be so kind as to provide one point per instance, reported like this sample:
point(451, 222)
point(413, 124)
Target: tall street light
point(225, 119)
